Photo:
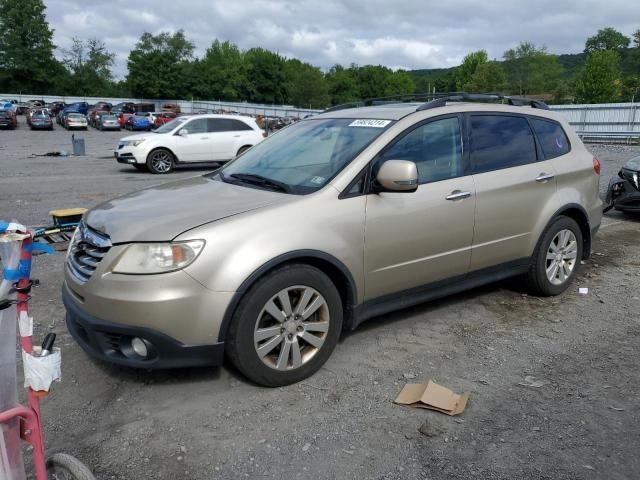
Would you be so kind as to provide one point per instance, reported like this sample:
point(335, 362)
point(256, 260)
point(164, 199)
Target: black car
point(623, 193)
point(8, 119)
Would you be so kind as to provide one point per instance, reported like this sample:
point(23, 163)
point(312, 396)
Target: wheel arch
point(579, 214)
point(160, 147)
point(337, 272)
point(246, 146)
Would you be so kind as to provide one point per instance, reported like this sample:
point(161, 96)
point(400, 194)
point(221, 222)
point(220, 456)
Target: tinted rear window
point(227, 125)
point(553, 140)
point(500, 141)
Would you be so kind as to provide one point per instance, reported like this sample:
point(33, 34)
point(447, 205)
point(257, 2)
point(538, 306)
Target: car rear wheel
point(286, 326)
point(160, 161)
point(557, 258)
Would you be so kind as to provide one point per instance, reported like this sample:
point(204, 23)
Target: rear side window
point(500, 141)
point(553, 140)
point(227, 125)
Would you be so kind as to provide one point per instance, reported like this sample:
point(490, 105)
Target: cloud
point(410, 34)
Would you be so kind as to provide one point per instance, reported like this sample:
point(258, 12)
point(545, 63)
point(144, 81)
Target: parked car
point(77, 107)
point(56, 107)
point(40, 120)
point(124, 107)
point(334, 220)
point(8, 119)
point(103, 106)
point(171, 107)
point(145, 107)
point(163, 118)
point(60, 117)
point(108, 121)
point(94, 114)
point(190, 139)
point(123, 117)
point(139, 121)
point(75, 120)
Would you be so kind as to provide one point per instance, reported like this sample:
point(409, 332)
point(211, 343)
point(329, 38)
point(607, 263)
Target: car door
point(512, 183)
point(412, 239)
point(226, 137)
point(195, 145)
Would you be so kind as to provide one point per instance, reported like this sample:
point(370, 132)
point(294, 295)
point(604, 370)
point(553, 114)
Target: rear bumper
point(111, 342)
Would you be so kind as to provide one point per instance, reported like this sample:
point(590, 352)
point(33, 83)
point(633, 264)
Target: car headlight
point(132, 143)
point(149, 258)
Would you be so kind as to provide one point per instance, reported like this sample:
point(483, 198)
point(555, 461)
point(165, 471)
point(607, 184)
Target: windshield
point(170, 126)
point(304, 157)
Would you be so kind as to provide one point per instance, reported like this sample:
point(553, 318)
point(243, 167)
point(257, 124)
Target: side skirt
point(431, 291)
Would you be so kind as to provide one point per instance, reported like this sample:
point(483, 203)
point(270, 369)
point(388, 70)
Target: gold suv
point(336, 219)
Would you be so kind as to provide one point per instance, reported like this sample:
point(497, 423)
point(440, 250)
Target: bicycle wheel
point(65, 467)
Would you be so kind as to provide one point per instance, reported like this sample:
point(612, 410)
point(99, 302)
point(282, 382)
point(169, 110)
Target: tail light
point(596, 165)
point(264, 134)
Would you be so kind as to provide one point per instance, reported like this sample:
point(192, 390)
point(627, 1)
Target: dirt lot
point(582, 423)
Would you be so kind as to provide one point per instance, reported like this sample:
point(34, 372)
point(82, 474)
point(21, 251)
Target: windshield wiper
point(261, 181)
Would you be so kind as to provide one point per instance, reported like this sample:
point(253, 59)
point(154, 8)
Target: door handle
point(237, 136)
point(544, 177)
point(204, 138)
point(457, 195)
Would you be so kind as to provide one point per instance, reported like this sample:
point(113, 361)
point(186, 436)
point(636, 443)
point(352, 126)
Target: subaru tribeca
point(336, 219)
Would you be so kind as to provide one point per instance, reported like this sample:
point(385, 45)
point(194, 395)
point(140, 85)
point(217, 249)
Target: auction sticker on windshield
point(370, 123)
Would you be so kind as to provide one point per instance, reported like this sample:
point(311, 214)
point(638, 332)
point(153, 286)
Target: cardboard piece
point(432, 396)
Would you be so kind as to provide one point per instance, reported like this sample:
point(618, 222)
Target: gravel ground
point(582, 423)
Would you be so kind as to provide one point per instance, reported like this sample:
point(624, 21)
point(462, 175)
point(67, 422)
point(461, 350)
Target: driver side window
point(435, 147)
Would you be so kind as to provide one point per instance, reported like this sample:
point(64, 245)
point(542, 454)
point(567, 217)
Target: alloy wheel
point(291, 328)
point(562, 256)
point(161, 161)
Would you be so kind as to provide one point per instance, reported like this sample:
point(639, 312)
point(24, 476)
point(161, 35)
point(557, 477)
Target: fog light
point(139, 346)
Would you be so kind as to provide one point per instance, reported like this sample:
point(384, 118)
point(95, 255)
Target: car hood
point(137, 137)
point(162, 212)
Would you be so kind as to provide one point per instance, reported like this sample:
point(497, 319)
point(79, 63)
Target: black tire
point(243, 149)
point(537, 280)
point(239, 344)
point(151, 161)
point(67, 466)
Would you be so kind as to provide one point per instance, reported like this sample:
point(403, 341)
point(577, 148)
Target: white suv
point(190, 139)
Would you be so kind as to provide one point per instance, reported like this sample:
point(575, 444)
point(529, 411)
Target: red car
point(123, 117)
point(164, 117)
point(8, 119)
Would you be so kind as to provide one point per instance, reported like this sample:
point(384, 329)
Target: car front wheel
point(557, 258)
point(286, 326)
point(160, 161)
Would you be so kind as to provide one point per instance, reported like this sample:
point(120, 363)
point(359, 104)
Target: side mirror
point(184, 132)
point(398, 176)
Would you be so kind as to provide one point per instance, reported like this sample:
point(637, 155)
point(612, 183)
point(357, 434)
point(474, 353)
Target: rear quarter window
point(552, 138)
point(501, 141)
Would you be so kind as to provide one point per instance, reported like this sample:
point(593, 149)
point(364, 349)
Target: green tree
point(306, 85)
point(89, 63)
point(26, 47)
point(342, 84)
point(157, 65)
point(530, 69)
point(599, 79)
point(606, 39)
point(487, 77)
point(220, 73)
point(265, 76)
point(470, 64)
point(636, 38)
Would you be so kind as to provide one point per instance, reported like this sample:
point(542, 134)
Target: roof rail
point(442, 100)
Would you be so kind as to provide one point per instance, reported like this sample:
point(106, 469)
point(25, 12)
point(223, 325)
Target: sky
point(408, 34)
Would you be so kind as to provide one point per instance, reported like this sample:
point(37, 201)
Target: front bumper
point(111, 342)
point(622, 195)
point(128, 156)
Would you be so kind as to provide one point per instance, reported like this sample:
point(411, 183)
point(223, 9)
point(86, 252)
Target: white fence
point(187, 106)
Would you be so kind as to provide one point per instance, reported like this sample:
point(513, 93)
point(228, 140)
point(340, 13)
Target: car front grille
point(87, 249)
